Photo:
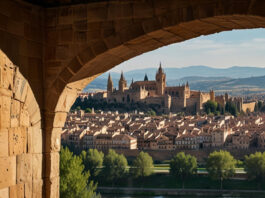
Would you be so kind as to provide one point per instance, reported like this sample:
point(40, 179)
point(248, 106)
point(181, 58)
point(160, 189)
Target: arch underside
point(159, 38)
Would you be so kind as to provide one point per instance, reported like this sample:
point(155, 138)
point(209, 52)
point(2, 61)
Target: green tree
point(142, 165)
point(151, 113)
point(183, 166)
point(255, 166)
point(231, 108)
point(93, 160)
point(210, 106)
point(260, 104)
point(88, 110)
point(114, 165)
point(220, 165)
point(73, 179)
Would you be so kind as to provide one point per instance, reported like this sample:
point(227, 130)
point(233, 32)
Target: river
point(191, 196)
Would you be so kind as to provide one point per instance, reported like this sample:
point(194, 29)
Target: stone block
point(15, 113)
point(17, 140)
point(86, 55)
point(20, 86)
point(59, 119)
point(165, 37)
point(66, 75)
point(24, 168)
point(3, 142)
point(143, 9)
point(31, 103)
point(75, 65)
point(66, 35)
point(6, 76)
point(37, 138)
point(151, 25)
point(80, 12)
point(37, 187)
point(5, 106)
point(98, 47)
point(4, 193)
point(8, 171)
point(35, 49)
point(28, 189)
point(52, 187)
point(52, 164)
point(29, 140)
point(119, 11)
point(53, 140)
point(65, 15)
point(17, 191)
point(37, 166)
point(35, 117)
point(24, 116)
point(97, 12)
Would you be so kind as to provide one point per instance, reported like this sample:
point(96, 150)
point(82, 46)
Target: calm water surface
point(129, 196)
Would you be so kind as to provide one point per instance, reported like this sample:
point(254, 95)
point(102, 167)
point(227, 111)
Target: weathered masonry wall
point(56, 51)
point(21, 138)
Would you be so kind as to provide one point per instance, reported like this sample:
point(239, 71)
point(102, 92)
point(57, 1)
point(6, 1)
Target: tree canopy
point(114, 165)
point(255, 166)
point(73, 179)
point(210, 106)
point(183, 166)
point(231, 108)
point(220, 165)
point(142, 165)
point(93, 160)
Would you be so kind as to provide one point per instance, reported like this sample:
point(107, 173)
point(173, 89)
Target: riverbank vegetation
point(181, 171)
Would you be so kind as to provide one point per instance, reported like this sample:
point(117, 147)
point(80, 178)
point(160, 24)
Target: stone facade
point(169, 99)
point(60, 49)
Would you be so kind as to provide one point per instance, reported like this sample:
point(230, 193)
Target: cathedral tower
point(110, 84)
point(160, 81)
point(122, 83)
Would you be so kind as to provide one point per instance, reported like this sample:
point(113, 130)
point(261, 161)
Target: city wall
point(248, 106)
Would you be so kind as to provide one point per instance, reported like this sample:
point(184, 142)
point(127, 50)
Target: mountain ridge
point(199, 77)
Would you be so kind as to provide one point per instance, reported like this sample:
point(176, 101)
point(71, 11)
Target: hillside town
point(137, 130)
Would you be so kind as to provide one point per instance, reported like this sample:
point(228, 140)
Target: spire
point(160, 68)
point(109, 78)
point(110, 84)
point(122, 77)
point(132, 82)
point(145, 77)
point(187, 84)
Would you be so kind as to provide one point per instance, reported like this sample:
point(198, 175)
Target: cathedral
point(170, 99)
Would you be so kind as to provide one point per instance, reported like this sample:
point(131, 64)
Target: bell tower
point(110, 84)
point(160, 81)
point(122, 83)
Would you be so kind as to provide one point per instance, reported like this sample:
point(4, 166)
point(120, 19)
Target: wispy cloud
point(241, 48)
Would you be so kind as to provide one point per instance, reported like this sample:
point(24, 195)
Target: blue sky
point(221, 50)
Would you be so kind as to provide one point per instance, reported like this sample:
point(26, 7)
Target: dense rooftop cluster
point(172, 132)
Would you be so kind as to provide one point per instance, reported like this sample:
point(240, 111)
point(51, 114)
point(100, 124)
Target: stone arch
point(21, 137)
point(83, 41)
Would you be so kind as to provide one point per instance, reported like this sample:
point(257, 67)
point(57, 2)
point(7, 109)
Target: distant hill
point(199, 77)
